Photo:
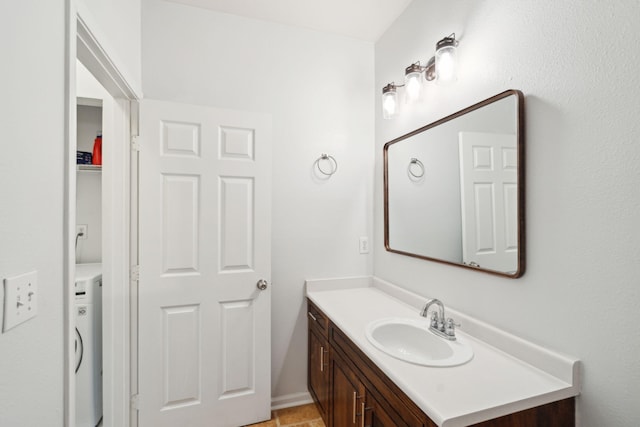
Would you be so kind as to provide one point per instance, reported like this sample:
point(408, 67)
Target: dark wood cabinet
point(351, 391)
point(353, 404)
point(319, 371)
point(347, 396)
point(318, 378)
point(376, 415)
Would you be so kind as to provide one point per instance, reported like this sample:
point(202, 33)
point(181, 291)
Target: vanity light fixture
point(390, 100)
point(440, 67)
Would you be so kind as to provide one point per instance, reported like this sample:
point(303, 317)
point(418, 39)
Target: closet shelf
point(90, 168)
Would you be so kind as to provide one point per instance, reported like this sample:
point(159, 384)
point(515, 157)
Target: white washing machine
point(88, 318)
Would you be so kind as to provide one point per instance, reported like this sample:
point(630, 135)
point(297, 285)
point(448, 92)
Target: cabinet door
point(319, 372)
point(347, 393)
point(376, 416)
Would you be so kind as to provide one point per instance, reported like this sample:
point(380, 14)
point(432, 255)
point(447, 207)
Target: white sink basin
point(410, 340)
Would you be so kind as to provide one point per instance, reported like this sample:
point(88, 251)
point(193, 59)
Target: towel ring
point(332, 162)
point(417, 162)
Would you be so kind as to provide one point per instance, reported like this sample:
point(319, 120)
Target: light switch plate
point(364, 244)
point(20, 299)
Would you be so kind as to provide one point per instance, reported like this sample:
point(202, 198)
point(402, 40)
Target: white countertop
point(494, 383)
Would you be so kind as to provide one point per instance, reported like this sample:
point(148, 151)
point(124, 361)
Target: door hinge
point(135, 143)
point(134, 274)
point(135, 402)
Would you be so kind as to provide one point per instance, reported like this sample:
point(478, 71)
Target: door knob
point(262, 284)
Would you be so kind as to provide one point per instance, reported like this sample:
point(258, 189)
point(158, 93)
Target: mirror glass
point(454, 189)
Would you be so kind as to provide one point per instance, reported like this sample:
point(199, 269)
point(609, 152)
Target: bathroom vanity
point(508, 382)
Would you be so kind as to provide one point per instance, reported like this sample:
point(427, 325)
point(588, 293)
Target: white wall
point(32, 42)
point(89, 189)
point(89, 123)
point(116, 24)
point(89, 183)
point(319, 90)
point(31, 177)
point(577, 64)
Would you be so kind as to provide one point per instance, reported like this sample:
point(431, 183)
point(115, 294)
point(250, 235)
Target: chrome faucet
point(438, 323)
point(435, 316)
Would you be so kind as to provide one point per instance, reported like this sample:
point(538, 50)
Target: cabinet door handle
point(312, 316)
point(363, 412)
point(321, 359)
point(355, 398)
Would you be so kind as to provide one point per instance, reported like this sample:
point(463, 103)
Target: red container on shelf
point(97, 150)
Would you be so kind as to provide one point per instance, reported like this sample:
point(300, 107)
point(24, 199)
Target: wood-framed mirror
point(454, 189)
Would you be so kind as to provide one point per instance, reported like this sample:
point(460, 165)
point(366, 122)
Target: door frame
point(83, 43)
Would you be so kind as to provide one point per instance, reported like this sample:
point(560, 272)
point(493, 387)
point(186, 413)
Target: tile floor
point(298, 416)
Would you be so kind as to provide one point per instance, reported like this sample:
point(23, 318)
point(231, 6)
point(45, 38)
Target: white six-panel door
point(489, 192)
point(204, 326)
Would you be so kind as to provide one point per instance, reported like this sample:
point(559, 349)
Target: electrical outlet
point(20, 299)
point(82, 231)
point(364, 245)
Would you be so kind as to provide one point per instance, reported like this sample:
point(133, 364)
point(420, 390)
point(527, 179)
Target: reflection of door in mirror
point(489, 200)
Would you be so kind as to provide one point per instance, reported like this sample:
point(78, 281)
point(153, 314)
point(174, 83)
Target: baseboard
point(289, 400)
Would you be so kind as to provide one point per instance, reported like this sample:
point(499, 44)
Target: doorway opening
point(98, 224)
point(90, 95)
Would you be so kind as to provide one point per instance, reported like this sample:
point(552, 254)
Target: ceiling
point(361, 19)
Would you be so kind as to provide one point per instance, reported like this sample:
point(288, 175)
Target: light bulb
point(413, 82)
point(446, 60)
point(389, 101)
point(389, 105)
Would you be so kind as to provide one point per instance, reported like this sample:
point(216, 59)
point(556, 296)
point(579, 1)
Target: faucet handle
point(450, 327)
point(434, 319)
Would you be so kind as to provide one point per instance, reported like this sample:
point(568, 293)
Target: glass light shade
point(413, 85)
point(389, 104)
point(446, 64)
